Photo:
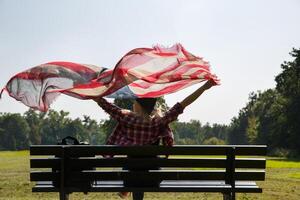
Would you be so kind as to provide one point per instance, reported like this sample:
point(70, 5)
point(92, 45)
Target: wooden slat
point(177, 188)
point(87, 163)
point(254, 150)
point(165, 186)
point(81, 163)
point(258, 163)
point(90, 150)
point(148, 162)
point(162, 174)
point(45, 188)
point(79, 150)
point(253, 175)
point(140, 175)
point(46, 150)
point(45, 163)
point(144, 150)
point(44, 176)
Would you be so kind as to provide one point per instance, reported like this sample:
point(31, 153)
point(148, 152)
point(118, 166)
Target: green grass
point(282, 163)
point(282, 182)
point(295, 175)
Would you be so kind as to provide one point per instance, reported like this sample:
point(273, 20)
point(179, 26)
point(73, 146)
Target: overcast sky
point(244, 41)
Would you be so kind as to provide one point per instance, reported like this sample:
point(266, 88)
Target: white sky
point(245, 42)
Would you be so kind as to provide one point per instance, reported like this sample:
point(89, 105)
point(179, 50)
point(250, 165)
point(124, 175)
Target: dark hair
point(147, 104)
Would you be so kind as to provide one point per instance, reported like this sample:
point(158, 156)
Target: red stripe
point(88, 85)
point(29, 75)
point(115, 85)
point(130, 63)
point(177, 75)
point(168, 89)
point(153, 77)
point(106, 75)
point(188, 55)
point(196, 74)
point(204, 66)
point(143, 85)
point(76, 95)
point(138, 51)
point(165, 54)
point(3, 89)
point(73, 66)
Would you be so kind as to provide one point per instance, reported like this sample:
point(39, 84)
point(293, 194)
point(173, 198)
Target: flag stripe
point(79, 68)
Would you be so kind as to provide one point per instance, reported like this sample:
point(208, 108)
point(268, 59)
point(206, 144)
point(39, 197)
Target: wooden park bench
point(226, 169)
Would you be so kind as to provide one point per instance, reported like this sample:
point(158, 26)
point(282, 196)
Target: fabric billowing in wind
point(141, 73)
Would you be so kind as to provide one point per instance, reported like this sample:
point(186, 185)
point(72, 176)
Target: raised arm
point(113, 110)
point(192, 97)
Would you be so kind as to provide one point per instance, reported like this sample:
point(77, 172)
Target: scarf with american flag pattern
point(141, 73)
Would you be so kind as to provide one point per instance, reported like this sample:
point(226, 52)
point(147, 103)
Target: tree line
point(19, 131)
point(270, 117)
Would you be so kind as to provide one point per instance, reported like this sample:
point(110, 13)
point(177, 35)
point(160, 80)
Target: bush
point(280, 152)
point(213, 141)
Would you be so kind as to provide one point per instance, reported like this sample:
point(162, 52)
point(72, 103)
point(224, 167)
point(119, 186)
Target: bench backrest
point(199, 162)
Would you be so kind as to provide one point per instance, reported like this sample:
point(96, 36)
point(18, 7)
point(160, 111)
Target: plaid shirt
point(134, 130)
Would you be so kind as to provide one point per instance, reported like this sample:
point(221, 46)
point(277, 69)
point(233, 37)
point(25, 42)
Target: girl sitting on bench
point(143, 127)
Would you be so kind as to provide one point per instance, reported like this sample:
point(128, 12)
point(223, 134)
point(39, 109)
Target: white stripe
point(188, 73)
point(93, 67)
point(184, 64)
point(152, 88)
point(202, 75)
point(152, 66)
point(157, 87)
point(89, 91)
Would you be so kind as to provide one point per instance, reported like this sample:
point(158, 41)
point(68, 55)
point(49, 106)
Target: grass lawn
point(282, 182)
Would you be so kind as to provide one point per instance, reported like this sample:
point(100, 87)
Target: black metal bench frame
point(229, 169)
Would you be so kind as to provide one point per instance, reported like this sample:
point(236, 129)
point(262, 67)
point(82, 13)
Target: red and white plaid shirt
point(134, 130)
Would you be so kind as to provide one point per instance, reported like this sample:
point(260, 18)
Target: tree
point(53, 127)
point(93, 130)
point(14, 132)
point(187, 132)
point(2, 136)
point(288, 85)
point(272, 117)
point(237, 129)
point(34, 121)
point(269, 119)
point(76, 129)
point(214, 130)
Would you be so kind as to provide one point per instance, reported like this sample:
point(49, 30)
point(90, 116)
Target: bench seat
point(165, 186)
